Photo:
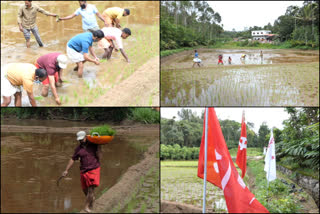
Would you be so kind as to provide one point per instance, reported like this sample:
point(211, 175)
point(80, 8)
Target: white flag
point(270, 160)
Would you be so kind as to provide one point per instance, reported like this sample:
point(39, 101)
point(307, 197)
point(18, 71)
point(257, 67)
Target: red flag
point(223, 173)
point(242, 148)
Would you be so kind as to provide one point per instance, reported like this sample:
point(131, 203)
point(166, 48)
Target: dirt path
point(141, 88)
point(174, 207)
point(116, 196)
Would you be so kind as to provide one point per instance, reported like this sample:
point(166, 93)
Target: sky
point(240, 14)
point(272, 116)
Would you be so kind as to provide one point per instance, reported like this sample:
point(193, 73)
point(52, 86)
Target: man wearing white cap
point(53, 63)
point(90, 155)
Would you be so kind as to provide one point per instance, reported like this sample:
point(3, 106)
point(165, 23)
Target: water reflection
point(32, 163)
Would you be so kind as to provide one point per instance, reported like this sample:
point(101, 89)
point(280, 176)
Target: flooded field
point(181, 184)
point(284, 78)
point(140, 47)
point(31, 164)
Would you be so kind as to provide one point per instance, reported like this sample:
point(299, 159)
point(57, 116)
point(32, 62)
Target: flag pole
point(268, 174)
point(205, 162)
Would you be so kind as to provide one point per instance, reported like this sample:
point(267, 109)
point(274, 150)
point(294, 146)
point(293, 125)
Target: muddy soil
point(140, 89)
point(140, 47)
point(209, 57)
point(120, 192)
point(174, 207)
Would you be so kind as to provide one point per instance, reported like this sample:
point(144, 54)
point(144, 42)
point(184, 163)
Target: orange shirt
point(22, 74)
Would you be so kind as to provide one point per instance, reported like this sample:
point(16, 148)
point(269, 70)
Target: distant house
point(261, 35)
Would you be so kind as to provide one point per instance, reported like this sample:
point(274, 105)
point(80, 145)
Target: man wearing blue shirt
point(87, 11)
point(79, 46)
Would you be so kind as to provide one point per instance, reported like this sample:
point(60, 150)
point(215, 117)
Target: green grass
point(104, 130)
point(145, 115)
point(250, 152)
point(277, 199)
point(193, 163)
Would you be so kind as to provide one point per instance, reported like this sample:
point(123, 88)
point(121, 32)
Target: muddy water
point(97, 80)
point(290, 78)
point(209, 57)
point(32, 163)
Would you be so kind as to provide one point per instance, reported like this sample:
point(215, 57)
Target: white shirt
point(113, 33)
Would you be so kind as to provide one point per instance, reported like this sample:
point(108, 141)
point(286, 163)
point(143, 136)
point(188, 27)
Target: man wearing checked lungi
point(90, 155)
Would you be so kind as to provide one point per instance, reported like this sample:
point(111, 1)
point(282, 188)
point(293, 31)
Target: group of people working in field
point(48, 68)
point(197, 61)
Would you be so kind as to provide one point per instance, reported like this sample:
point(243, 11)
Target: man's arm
point(68, 167)
point(68, 17)
point(101, 18)
point(117, 22)
point(54, 90)
point(41, 10)
point(92, 53)
point(31, 99)
point(124, 54)
point(20, 14)
point(99, 152)
point(87, 58)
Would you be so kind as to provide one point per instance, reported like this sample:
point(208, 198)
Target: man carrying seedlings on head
point(27, 16)
point(87, 11)
point(14, 77)
point(112, 34)
point(79, 46)
point(113, 15)
point(53, 63)
point(90, 156)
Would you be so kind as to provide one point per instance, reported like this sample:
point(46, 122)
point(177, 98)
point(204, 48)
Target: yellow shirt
point(114, 12)
point(22, 74)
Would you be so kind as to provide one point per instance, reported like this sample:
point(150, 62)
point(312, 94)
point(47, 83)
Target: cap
point(81, 135)
point(62, 61)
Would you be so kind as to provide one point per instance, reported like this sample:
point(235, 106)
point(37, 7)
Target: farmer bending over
point(87, 11)
point(113, 15)
point(112, 34)
point(79, 46)
point(27, 16)
point(53, 63)
point(14, 77)
point(220, 60)
point(196, 60)
point(90, 156)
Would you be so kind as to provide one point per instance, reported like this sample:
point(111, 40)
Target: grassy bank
point(280, 197)
point(243, 45)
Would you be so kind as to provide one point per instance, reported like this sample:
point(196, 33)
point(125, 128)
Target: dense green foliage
point(188, 131)
point(145, 115)
point(188, 24)
point(175, 152)
point(180, 28)
point(104, 130)
point(300, 139)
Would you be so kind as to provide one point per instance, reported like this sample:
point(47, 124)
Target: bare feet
point(76, 68)
point(91, 204)
point(87, 210)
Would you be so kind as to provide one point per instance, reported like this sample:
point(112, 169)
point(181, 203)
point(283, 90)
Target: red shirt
point(88, 157)
point(220, 57)
point(48, 62)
